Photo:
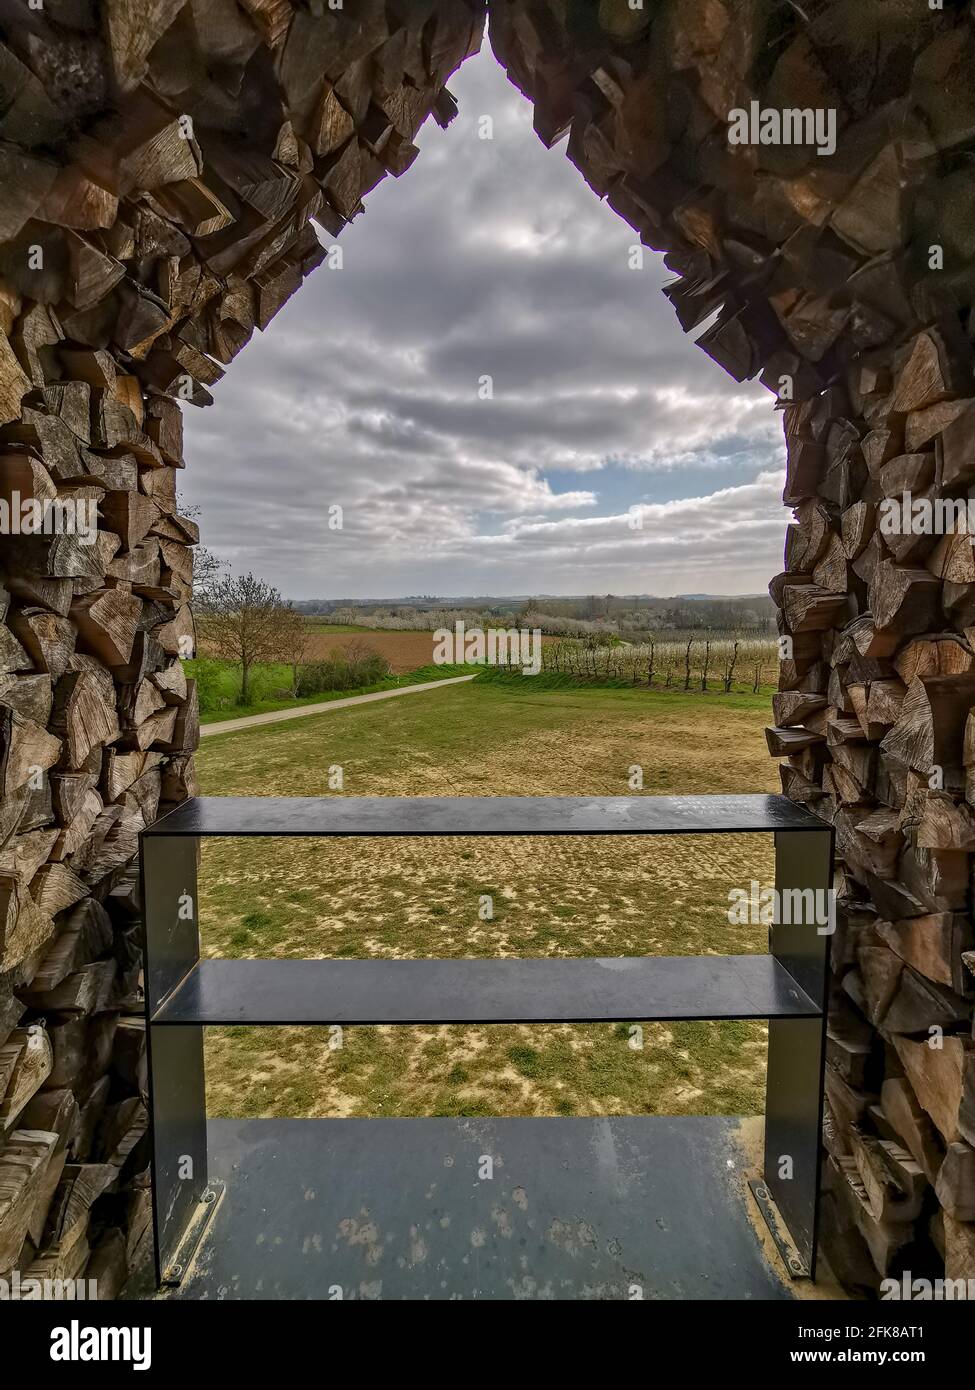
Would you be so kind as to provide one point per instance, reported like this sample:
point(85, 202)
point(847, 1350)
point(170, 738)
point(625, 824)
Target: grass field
point(219, 683)
point(675, 666)
point(564, 896)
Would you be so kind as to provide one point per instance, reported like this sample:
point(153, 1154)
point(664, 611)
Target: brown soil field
point(404, 651)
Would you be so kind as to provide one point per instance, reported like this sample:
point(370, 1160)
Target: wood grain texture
point(167, 164)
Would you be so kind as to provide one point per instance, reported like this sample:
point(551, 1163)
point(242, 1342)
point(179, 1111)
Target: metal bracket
point(196, 1227)
point(794, 1263)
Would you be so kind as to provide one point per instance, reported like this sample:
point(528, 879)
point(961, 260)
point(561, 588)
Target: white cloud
point(487, 257)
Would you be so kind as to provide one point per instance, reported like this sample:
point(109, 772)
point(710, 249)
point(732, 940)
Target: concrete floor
point(621, 1208)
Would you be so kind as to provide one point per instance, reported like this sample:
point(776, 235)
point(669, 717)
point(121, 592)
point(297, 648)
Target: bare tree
point(707, 663)
point(729, 666)
point(206, 570)
point(206, 565)
point(240, 618)
point(294, 640)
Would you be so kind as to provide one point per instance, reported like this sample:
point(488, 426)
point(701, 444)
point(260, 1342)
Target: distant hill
point(510, 600)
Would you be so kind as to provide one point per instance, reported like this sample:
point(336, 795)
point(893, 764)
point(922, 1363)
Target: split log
point(945, 824)
point(177, 636)
point(82, 1050)
point(893, 1183)
point(955, 1187)
point(884, 1239)
point(928, 375)
point(880, 976)
point(80, 1186)
point(73, 836)
point(948, 654)
point(11, 1008)
point(877, 706)
point(810, 608)
point(912, 1125)
point(164, 425)
point(959, 1249)
point(793, 707)
point(903, 600)
point(849, 1046)
point(27, 750)
point(122, 1130)
point(956, 451)
point(30, 696)
point(24, 927)
point(939, 1076)
point(129, 1056)
point(157, 729)
point(783, 743)
point(121, 770)
point(929, 734)
point(923, 426)
point(62, 1260)
point(87, 991)
point(108, 1268)
point(90, 1113)
point(47, 638)
point(106, 622)
point(933, 944)
point(25, 1063)
point(57, 1112)
point(23, 1163)
point(857, 527)
point(85, 936)
point(171, 683)
point(130, 515)
point(82, 716)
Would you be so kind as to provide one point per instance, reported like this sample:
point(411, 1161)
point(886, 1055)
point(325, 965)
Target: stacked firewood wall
point(845, 281)
point(160, 167)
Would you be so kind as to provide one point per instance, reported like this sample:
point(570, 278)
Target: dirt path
point(275, 716)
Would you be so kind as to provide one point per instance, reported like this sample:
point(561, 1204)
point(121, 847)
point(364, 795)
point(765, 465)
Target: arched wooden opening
point(161, 165)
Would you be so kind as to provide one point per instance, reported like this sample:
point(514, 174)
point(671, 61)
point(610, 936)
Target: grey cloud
point(485, 257)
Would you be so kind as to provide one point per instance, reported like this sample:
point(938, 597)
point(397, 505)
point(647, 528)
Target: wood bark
point(803, 262)
point(167, 237)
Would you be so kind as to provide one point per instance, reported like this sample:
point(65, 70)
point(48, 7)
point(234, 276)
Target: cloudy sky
point(488, 258)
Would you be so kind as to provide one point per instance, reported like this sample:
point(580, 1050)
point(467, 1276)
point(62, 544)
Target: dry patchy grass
point(412, 897)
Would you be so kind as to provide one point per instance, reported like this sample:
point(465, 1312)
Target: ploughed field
point(414, 897)
point(403, 650)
